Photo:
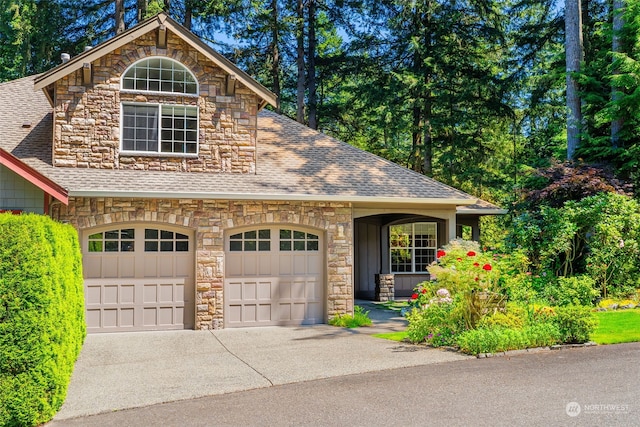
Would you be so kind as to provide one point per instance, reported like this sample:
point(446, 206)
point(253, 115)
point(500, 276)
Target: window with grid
point(112, 241)
point(165, 241)
point(159, 127)
point(412, 247)
point(159, 75)
point(251, 241)
point(298, 241)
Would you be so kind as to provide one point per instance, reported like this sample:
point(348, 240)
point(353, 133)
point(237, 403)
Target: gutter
point(279, 197)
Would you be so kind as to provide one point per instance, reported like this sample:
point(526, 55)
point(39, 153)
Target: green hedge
point(42, 325)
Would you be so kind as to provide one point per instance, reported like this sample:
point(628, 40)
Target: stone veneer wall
point(87, 118)
point(210, 219)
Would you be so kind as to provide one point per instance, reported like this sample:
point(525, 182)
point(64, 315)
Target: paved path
point(130, 370)
point(592, 386)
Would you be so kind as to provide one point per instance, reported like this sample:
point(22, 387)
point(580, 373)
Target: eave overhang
point(272, 197)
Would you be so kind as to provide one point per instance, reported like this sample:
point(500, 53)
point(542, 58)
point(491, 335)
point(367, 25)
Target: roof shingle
point(293, 162)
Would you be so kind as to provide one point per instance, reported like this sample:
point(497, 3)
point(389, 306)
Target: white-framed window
point(159, 127)
point(157, 74)
point(412, 247)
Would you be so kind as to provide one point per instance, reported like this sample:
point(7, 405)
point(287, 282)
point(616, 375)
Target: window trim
point(158, 153)
point(412, 248)
point(160, 92)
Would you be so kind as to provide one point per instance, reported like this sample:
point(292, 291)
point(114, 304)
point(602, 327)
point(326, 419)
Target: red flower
point(440, 254)
point(471, 253)
point(477, 279)
point(414, 296)
point(476, 264)
point(424, 291)
point(459, 259)
point(487, 267)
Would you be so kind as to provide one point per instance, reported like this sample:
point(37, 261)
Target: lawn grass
point(613, 327)
point(617, 327)
point(393, 336)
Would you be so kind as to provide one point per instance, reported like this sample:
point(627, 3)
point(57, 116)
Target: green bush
point(577, 290)
point(437, 324)
point(497, 339)
point(514, 318)
point(360, 318)
point(42, 324)
point(575, 323)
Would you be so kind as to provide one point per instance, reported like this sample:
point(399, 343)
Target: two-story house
point(198, 208)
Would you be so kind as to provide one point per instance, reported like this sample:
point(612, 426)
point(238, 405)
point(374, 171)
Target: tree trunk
point(119, 16)
point(616, 92)
point(415, 162)
point(311, 67)
point(142, 9)
point(574, 55)
point(275, 52)
point(188, 13)
point(300, 61)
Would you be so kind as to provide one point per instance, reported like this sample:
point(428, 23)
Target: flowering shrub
point(461, 267)
point(436, 324)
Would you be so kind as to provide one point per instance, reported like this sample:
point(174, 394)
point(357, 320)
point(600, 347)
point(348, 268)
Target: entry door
point(138, 277)
point(273, 276)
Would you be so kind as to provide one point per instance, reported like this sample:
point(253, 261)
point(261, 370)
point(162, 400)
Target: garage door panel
point(109, 267)
point(92, 267)
point(233, 291)
point(284, 265)
point(298, 289)
point(265, 265)
point(300, 264)
point(250, 267)
point(183, 266)
point(265, 290)
point(167, 293)
point(92, 295)
point(143, 287)
point(249, 291)
point(284, 289)
point(314, 264)
point(314, 310)
point(288, 279)
point(127, 267)
point(233, 266)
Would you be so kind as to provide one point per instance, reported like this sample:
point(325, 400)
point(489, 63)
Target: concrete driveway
point(129, 370)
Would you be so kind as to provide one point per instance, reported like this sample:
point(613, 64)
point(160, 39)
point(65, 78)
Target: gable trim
point(33, 176)
point(151, 24)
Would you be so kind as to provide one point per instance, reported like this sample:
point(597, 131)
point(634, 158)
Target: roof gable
point(159, 22)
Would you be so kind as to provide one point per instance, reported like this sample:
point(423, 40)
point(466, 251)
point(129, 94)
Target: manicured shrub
point(497, 339)
point(42, 324)
point(575, 323)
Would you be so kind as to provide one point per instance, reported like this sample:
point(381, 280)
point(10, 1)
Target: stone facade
point(87, 117)
point(211, 219)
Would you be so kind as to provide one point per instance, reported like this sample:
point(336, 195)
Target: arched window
point(159, 75)
point(158, 127)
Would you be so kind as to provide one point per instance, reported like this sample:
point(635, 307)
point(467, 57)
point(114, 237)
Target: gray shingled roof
point(293, 162)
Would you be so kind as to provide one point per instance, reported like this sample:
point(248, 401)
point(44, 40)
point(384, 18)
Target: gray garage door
point(138, 277)
point(273, 276)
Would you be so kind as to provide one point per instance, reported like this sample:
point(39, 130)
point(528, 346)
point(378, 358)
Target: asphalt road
point(592, 386)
